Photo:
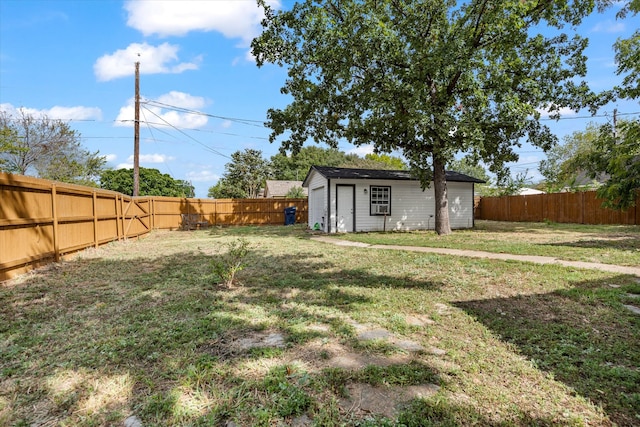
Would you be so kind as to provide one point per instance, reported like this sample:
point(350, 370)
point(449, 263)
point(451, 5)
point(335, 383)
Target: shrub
point(226, 265)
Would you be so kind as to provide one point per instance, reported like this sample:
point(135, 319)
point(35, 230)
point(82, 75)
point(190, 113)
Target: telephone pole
point(136, 136)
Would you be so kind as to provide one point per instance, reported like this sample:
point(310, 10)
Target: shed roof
point(399, 175)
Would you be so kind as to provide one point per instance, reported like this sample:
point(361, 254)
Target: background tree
point(8, 147)
point(244, 176)
point(563, 166)
point(295, 166)
point(152, 183)
point(615, 153)
point(47, 148)
point(468, 166)
point(225, 190)
point(428, 78)
point(295, 193)
point(391, 162)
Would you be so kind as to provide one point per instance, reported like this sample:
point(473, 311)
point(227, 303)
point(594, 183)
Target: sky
point(74, 60)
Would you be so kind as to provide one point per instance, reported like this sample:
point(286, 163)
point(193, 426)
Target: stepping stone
point(407, 345)
point(633, 296)
point(374, 334)
point(383, 400)
point(441, 308)
point(302, 421)
point(132, 421)
point(436, 351)
point(261, 340)
point(632, 308)
point(419, 321)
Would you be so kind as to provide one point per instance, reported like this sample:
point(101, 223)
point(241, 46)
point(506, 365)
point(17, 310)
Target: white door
point(345, 211)
point(317, 207)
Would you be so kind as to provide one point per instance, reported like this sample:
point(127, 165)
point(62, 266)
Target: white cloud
point(125, 165)
point(57, 112)
point(226, 124)
point(234, 19)
point(110, 157)
point(564, 112)
point(162, 59)
point(362, 150)
point(160, 116)
point(608, 26)
point(202, 176)
point(151, 158)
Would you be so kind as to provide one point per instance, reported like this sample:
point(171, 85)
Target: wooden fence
point(578, 208)
point(42, 221)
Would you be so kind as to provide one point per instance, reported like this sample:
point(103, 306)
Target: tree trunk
point(442, 203)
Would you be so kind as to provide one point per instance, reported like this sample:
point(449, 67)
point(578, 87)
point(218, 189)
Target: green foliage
point(244, 175)
point(295, 193)
point(392, 162)
point(471, 167)
point(226, 265)
point(225, 190)
point(618, 155)
point(9, 146)
point(295, 166)
point(48, 148)
point(430, 79)
point(563, 167)
point(287, 395)
point(152, 183)
point(628, 56)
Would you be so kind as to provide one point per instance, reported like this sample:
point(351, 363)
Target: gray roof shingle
point(403, 175)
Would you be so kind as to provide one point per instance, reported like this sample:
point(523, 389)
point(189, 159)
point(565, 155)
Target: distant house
point(346, 200)
point(279, 189)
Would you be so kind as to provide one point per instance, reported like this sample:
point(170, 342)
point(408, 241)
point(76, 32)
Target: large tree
point(152, 183)
point(429, 78)
point(244, 175)
point(47, 148)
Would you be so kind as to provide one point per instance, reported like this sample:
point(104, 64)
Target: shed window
point(380, 198)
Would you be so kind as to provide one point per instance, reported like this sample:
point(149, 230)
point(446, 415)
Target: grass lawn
point(608, 244)
point(142, 328)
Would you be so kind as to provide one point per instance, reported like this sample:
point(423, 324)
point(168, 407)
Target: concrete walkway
point(619, 269)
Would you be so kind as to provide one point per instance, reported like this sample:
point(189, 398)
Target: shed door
point(345, 209)
point(317, 203)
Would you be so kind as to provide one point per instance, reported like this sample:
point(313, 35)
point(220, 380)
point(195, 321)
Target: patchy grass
point(139, 328)
point(608, 244)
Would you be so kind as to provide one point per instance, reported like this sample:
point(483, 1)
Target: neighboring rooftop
point(279, 189)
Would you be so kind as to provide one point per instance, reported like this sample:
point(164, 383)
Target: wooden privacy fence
point(42, 221)
point(578, 208)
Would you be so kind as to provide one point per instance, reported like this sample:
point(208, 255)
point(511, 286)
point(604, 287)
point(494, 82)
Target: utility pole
point(615, 125)
point(136, 136)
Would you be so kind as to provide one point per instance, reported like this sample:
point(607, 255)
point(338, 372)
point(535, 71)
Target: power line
point(189, 136)
point(248, 122)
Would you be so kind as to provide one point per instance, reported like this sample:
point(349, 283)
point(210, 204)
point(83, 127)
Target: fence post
point(95, 219)
point(54, 214)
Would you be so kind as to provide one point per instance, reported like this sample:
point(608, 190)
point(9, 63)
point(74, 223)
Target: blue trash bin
point(290, 215)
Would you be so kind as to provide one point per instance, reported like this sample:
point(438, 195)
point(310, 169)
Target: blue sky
point(74, 60)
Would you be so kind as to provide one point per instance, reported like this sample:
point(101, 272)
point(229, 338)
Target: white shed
point(345, 200)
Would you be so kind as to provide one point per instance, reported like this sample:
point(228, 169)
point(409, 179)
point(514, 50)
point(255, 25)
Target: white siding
point(460, 204)
point(317, 200)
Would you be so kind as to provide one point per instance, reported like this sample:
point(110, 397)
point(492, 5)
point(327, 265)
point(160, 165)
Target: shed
point(279, 189)
point(346, 200)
